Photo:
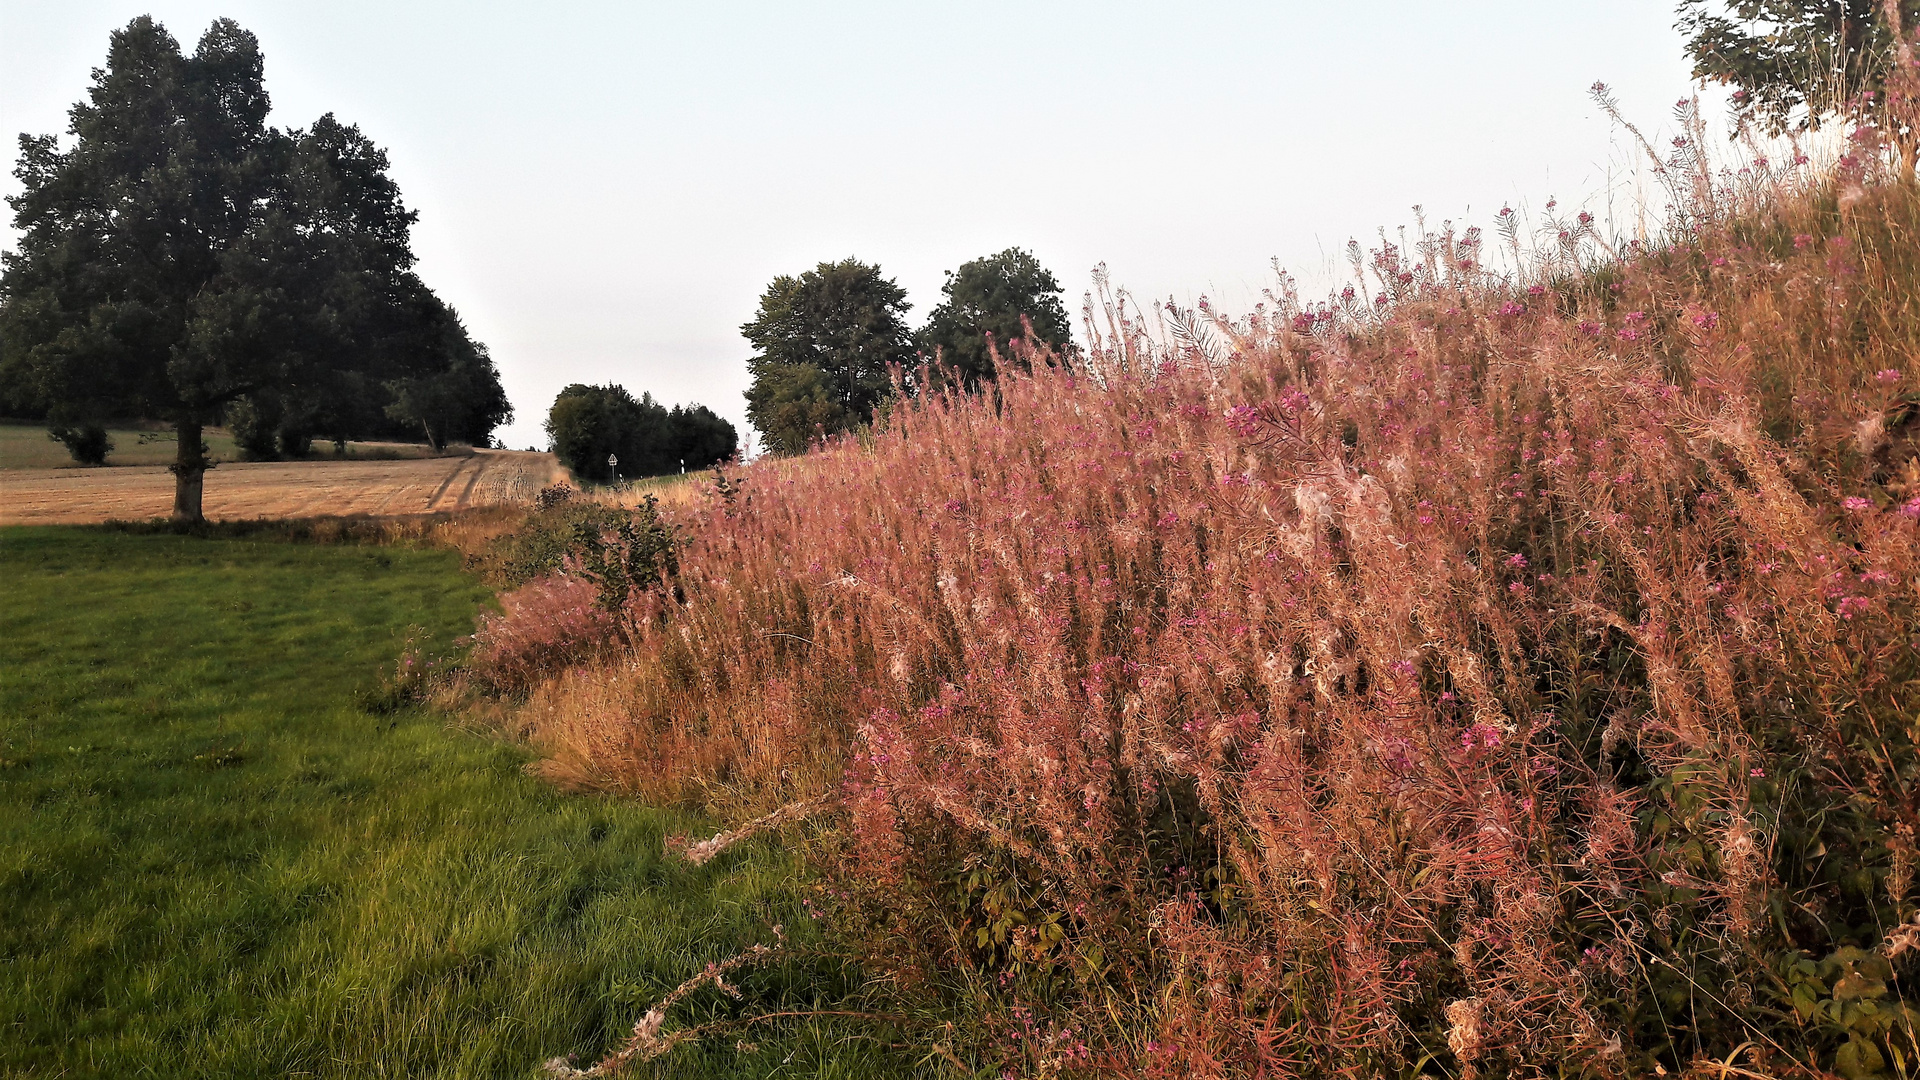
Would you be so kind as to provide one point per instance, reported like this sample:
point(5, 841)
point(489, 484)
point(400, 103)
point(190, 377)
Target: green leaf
point(1855, 985)
point(1858, 1059)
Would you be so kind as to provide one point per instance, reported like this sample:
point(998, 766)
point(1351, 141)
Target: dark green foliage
point(700, 438)
point(634, 556)
point(1794, 62)
point(462, 403)
point(825, 344)
point(88, 443)
point(542, 543)
point(262, 431)
point(17, 398)
point(588, 423)
point(989, 304)
point(182, 257)
point(122, 236)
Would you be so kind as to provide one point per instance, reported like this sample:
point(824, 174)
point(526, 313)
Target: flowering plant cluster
point(1511, 677)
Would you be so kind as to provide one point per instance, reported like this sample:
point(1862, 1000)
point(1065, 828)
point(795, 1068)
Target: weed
point(1512, 673)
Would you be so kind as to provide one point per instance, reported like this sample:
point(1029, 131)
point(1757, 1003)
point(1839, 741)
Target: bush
point(88, 443)
point(553, 532)
point(544, 625)
point(575, 572)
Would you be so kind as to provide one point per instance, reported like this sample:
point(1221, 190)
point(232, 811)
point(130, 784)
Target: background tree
point(453, 392)
point(986, 300)
point(183, 260)
point(1796, 62)
point(587, 423)
point(825, 342)
point(700, 438)
point(363, 345)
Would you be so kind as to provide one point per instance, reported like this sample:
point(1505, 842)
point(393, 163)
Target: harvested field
point(279, 489)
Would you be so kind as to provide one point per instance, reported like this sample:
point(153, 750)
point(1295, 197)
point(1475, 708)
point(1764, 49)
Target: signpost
point(613, 467)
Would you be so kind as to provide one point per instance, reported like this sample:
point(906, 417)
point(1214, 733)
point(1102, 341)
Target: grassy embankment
point(213, 862)
point(1511, 676)
point(26, 446)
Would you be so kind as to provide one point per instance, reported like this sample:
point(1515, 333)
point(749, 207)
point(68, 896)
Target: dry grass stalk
point(1500, 671)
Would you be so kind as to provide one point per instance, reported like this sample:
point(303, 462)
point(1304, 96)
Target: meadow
point(227, 848)
point(25, 445)
point(1503, 667)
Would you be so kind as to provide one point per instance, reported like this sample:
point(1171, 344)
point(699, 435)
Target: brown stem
point(189, 470)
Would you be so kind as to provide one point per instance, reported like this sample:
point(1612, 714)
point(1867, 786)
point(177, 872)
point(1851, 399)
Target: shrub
point(558, 527)
point(544, 625)
point(576, 572)
point(88, 443)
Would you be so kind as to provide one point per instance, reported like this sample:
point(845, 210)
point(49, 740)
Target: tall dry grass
point(1513, 675)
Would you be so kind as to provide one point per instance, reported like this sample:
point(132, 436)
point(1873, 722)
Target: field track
point(279, 489)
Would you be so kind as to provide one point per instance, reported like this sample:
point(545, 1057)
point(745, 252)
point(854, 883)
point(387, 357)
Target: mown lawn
point(215, 863)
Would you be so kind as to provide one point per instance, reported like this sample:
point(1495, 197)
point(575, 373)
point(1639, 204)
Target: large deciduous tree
point(120, 272)
point(589, 423)
point(825, 345)
point(182, 261)
point(1795, 63)
point(990, 303)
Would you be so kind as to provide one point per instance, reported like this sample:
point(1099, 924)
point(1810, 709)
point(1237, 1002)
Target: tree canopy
point(1796, 62)
point(989, 304)
point(588, 423)
point(825, 343)
point(183, 260)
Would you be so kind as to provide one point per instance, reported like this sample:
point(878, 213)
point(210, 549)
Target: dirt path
point(278, 489)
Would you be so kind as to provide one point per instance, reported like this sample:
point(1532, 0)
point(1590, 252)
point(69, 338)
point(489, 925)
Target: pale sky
point(605, 189)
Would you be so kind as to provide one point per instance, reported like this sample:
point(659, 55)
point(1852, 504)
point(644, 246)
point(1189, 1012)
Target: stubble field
point(241, 490)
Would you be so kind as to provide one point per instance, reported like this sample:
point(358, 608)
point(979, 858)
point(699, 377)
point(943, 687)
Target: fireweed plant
point(1514, 675)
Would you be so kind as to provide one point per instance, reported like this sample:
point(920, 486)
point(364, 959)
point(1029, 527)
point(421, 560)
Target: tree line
point(605, 433)
point(828, 341)
point(184, 262)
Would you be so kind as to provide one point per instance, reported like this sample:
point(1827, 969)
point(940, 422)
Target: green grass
point(213, 863)
point(26, 446)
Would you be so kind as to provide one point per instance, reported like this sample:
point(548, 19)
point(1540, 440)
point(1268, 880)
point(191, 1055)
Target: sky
point(606, 188)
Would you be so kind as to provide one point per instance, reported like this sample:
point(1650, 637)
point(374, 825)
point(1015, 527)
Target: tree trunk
point(189, 470)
